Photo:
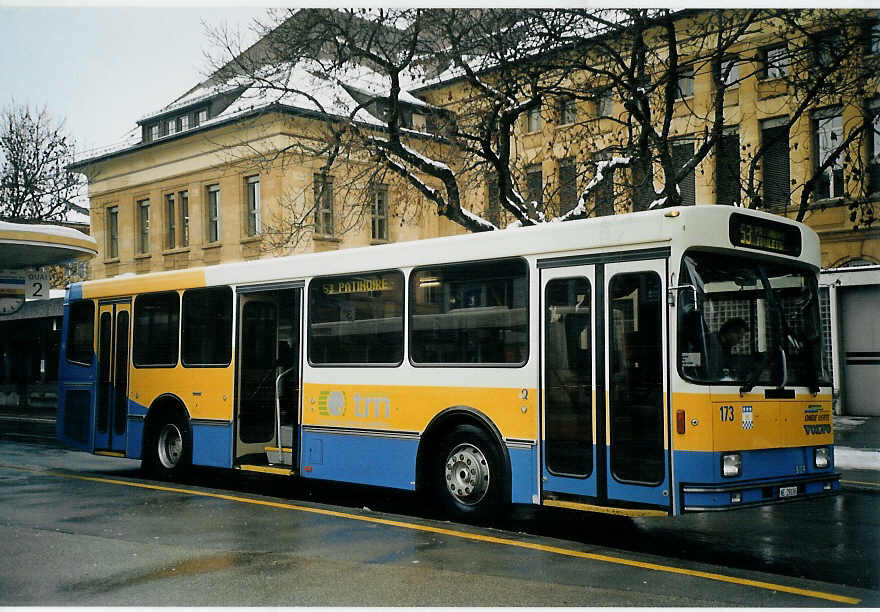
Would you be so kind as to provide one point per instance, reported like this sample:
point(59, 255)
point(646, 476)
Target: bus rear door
point(111, 408)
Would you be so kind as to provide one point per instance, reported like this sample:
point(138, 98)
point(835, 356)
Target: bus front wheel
point(469, 480)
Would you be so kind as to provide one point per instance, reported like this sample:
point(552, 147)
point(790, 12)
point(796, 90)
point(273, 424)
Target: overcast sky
point(103, 68)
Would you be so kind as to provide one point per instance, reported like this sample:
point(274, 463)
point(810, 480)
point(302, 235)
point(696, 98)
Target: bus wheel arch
point(462, 463)
point(167, 441)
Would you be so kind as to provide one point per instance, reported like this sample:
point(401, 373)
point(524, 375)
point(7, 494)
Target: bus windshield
point(747, 322)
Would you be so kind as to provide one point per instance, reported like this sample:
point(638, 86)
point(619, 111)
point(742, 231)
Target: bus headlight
point(731, 465)
point(822, 457)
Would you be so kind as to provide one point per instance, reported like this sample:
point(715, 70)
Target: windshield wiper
point(783, 330)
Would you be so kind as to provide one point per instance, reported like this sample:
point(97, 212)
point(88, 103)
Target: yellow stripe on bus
point(134, 285)
point(759, 584)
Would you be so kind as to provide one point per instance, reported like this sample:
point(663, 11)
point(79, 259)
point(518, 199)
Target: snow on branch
point(601, 168)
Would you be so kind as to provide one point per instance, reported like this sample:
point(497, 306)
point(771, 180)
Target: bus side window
point(207, 327)
point(81, 332)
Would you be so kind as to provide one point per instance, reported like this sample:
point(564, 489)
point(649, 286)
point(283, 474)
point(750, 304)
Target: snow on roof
point(301, 86)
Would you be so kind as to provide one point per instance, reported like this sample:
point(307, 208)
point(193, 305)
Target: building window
point(252, 184)
point(775, 61)
point(154, 132)
point(826, 47)
point(874, 146)
point(143, 208)
point(184, 122)
point(727, 171)
point(170, 222)
point(568, 192)
point(567, 110)
point(685, 82)
point(470, 314)
point(535, 184)
point(379, 214)
point(323, 185)
point(605, 103)
point(827, 136)
point(356, 319)
point(682, 153)
point(874, 38)
point(776, 163)
point(534, 119)
point(171, 126)
point(184, 218)
point(730, 71)
point(113, 232)
point(213, 213)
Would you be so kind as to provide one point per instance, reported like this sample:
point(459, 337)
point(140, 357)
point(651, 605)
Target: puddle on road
point(208, 564)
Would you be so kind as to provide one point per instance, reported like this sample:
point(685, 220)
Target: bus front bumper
point(703, 498)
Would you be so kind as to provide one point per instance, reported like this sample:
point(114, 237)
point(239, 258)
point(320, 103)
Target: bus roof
point(678, 228)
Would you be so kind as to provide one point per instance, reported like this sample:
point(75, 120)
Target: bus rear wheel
point(168, 450)
point(468, 482)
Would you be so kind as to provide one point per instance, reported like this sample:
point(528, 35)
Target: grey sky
point(103, 68)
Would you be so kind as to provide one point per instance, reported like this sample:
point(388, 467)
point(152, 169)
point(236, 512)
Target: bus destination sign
point(764, 235)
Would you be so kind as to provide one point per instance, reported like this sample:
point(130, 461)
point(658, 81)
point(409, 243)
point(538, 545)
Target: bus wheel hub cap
point(467, 474)
point(170, 445)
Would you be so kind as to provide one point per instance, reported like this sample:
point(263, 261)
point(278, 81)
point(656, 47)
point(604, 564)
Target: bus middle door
point(567, 376)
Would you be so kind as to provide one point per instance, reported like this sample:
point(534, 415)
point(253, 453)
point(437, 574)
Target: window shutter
point(568, 195)
point(535, 183)
point(727, 169)
point(777, 178)
point(643, 185)
point(681, 155)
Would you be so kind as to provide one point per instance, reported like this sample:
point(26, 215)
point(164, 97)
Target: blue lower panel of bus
point(211, 440)
point(523, 470)
point(705, 467)
point(360, 458)
point(134, 443)
point(212, 443)
point(766, 476)
point(386, 461)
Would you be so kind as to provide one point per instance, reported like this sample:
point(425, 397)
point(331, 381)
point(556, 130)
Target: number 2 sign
point(37, 286)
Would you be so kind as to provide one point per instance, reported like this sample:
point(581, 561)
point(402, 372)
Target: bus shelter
point(30, 311)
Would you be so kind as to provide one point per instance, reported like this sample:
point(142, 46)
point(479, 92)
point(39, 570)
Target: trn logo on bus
point(333, 403)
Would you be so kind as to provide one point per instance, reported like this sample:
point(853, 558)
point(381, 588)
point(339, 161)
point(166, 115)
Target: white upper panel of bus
point(677, 228)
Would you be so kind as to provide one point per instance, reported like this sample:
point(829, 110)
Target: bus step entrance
point(279, 456)
point(266, 469)
point(283, 453)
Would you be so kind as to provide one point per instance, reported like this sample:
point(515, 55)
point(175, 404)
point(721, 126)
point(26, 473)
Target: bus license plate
point(787, 491)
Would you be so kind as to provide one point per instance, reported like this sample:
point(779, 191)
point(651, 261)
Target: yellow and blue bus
point(645, 364)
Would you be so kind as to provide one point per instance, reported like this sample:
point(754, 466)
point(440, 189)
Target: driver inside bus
point(721, 360)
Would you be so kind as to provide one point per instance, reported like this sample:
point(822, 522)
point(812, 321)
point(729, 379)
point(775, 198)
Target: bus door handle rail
point(278, 401)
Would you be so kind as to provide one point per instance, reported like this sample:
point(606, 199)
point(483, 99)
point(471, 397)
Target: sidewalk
point(857, 451)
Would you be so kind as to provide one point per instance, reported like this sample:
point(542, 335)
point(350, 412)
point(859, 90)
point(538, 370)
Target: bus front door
point(635, 379)
point(268, 376)
point(603, 381)
point(111, 407)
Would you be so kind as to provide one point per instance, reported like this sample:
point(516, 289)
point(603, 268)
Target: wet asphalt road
point(120, 539)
